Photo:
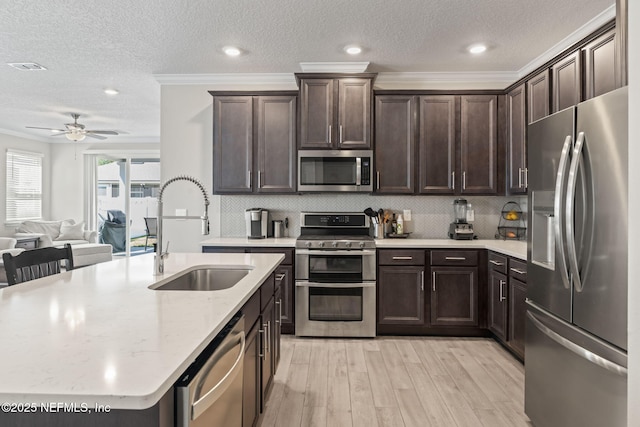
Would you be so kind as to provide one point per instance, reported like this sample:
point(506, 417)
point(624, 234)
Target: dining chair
point(36, 263)
point(152, 230)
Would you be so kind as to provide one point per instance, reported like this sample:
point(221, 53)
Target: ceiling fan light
point(75, 136)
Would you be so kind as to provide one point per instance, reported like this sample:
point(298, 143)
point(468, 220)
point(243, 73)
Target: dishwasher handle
point(211, 396)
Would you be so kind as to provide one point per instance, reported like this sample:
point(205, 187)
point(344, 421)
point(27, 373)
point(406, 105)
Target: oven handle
point(306, 284)
point(328, 251)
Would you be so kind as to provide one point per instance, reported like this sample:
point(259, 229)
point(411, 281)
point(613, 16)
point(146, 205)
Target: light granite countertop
point(98, 334)
point(514, 248)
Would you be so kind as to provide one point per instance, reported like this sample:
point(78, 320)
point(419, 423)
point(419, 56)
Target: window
point(24, 186)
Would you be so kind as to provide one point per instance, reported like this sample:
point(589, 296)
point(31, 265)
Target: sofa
point(57, 233)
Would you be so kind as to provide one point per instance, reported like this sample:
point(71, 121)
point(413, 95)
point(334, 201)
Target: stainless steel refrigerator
point(576, 331)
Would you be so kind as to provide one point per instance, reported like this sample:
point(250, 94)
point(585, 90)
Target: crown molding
point(607, 15)
point(440, 80)
point(286, 80)
point(334, 67)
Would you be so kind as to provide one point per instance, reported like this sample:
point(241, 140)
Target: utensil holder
point(378, 231)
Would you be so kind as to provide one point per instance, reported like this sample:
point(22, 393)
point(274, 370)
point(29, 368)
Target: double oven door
point(336, 293)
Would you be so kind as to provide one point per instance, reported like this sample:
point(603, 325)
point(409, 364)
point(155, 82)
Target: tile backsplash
point(430, 215)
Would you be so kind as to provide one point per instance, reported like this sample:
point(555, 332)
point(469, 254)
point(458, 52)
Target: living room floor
point(396, 381)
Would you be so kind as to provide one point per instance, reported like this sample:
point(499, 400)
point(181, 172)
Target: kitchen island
point(99, 336)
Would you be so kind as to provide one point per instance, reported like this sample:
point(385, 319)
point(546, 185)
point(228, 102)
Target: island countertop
point(98, 334)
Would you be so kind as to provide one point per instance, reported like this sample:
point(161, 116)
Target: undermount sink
point(204, 279)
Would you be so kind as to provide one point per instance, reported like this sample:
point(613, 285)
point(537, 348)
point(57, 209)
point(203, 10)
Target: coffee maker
point(256, 220)
point(460, 229)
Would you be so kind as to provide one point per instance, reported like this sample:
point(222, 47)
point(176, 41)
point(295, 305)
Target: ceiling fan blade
point(51, 129)
point(59, 133)
point(103, 132)
point(91, 135)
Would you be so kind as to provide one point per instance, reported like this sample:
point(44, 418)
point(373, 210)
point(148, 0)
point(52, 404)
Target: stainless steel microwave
point(335, 170)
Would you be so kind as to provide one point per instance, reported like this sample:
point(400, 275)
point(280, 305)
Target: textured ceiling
point(91, 45)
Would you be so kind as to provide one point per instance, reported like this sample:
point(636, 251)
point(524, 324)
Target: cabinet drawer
point(497, 262)
point(288, 253)
point(266, 291)
point(251, 311)
point(446, 257)
point(518, 270)
point(401, 257)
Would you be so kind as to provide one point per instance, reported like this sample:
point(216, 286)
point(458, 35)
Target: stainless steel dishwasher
point(210, 391)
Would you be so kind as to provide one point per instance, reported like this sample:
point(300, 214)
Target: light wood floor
point(396, 381)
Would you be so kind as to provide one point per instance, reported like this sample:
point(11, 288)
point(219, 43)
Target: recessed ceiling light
point(477, 48)
point(352, 49)
point(231, 51)
point(111, 92)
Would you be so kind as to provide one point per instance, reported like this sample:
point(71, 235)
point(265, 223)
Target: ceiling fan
point(76, 132)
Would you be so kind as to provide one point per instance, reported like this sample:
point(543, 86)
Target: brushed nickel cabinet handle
point(259, 179)
point(453, 180)
point(433, 281)
point(422, 280)
point(262, 352)
point(526, 177)
point(408, 258)
point(519, 177)
point(249, 179)
point(280, 277)
point(502, 296)
point(515, 270)
point(496, 262)
point(455, 258)
point(340, 142)
point(330, 139)
point(464, 180)
point(378, 179)
point(267, 336)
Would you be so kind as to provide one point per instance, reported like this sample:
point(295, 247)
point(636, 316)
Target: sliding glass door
point(125, 202)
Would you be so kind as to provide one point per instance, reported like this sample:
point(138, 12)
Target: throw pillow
point(71, 231)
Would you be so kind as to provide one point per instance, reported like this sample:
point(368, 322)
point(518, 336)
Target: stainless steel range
point(335, 276)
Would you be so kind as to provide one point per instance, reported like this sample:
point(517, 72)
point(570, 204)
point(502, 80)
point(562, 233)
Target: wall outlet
point(406, 214)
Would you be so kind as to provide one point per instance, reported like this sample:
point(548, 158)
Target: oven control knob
point(348, 244)
point(334, 244)
point(308, 244)
point(321, 244)
point(361, 244)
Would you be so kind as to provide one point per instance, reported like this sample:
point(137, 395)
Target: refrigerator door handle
point(575, 348)
point(558, 210)
point(569, 212)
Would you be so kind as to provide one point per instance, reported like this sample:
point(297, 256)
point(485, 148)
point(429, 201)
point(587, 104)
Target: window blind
point(24, 186)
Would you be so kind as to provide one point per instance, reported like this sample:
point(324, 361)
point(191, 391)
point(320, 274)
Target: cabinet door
point(538, 96)
point(276, 144)
point(479, 144)
point(437, 144)
point(401, 295)
point(454, 296)
point(317, 111)
point(354, 113)
point(600, 65)
point(517, 315)
point(498, 304)
point(277, 332)
point(395, 144)
point(516, 141)
point(566, 81)
point(232, 144)
point(266, 366)
point(251, 382)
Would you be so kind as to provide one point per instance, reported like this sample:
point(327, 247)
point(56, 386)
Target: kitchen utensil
point(371, 213)
point(380, 215)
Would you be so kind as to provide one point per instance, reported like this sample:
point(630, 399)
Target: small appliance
point(335, 171)
point(460, 229)
point(256, 220)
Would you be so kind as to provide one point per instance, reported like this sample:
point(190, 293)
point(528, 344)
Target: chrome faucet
point(160, 255)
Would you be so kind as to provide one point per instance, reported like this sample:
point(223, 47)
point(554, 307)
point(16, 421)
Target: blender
point(460, 229)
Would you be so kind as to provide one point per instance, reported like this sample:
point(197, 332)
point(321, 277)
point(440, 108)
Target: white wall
point(68, 191)
point(17, 143)
point(634, 208)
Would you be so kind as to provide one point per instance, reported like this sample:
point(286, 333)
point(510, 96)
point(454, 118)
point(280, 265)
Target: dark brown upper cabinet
point(566, 82)
point(479, 144)
point(437, 143)
point(516, 141)
point(335, 111)
point(254, 143)
point(538, 96)
point(395, 128)
point(600, 65)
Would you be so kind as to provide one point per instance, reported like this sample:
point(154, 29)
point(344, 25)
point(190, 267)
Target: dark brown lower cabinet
point(401, 295)
point(498, 304)
point(277, 330)
point(517, 315)
point(267, 361)
point(454, 296)
point(251, 382)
